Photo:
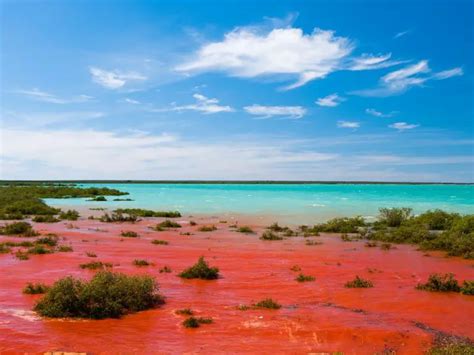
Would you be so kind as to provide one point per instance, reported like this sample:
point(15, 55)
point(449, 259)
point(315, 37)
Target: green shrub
point(91, 254)
point(211, 228)
point(35, 288)
point(275, 227)
point(50, 240)
point(45, 219)
point(345, 237)
point(267, 303)
point(192, 223)
point(139, 212)
point(394, 217)
point(340, 225)
point(440, 283)
point(4, 248)
point(11, 216)
point(456, 348)
point(65, 248)
point(39, 249)
point(436, 219)
point(118, 217)
point(129, 234)
point(167, 224)
point(200, 270)
point(23, 229)
point(94, 265)
point(245, 229)
point(359, 282)
point(70, 215)
point(191, 322)
point(269, 235)
point(21, 255)
point(305, 278)
point(165, 270)
point(141, 262)
point(185, 312)
point(467, 287)
point(159, 242)
point(107, 295)
point(98, 199)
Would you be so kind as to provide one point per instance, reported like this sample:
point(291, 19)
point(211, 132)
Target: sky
point(239, 90)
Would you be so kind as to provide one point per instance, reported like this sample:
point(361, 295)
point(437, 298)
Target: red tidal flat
point(319, 316)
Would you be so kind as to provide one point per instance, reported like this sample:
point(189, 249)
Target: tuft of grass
point(91, 254)
point(94, 265)
point(394, 217)
point(129, 234)
point(98, 199)
point(185, 312)
point(269, 235)
point(463, 348)
point(45, 219)
point(440, 283)
point(267, 303)
point(118, 217)
point(159, 242)
point(467, 287)
point(166, 224)
point(200, 270)
point(69, 215)
point(106, 295)
point(65, 248)
point(275, 227)
point(211, 228)
point(21, 255)
point(340, 225)
point(23, 229)
point(295, 268)
point(345, 237)
point(50, 240)
point(245, 229)
point(35, 288)
point(359, 282)
point(193, 322)
point(192, 223)
point(305, 278)
point(39, 249)
point(141, 262)
point(4, 248)
point(140, 212)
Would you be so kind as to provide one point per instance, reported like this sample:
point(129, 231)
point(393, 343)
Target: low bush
point(118, 217)
point(193, 322)
point(275, 227)
point(4, 248)
point(359, 282)
point(305, 278)
point(370, 244)
point(185, 312)
point(267, 303)
point(440, 283)
point(65, 248)
point(211, 228)
point(467, 287)
point(345, 237)
point(159, 242)
point(200, 270)
point(23, 229)
point(245, 229)
point(394, 217)
point(70, 215)
point(192, 223)
point(106, 295)
point(21, 255)
point(129, 234)
point(91, 254)
point(139, 212)
point(45, 219)
point(50, 240)
point(340, 225)
point(141, 262)
point(35, 288)
point(94, 265)
point(269, 235)
point(166, 224)
point(98, 199)
point(39, 249)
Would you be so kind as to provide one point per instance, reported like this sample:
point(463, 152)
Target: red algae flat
point(319, 316)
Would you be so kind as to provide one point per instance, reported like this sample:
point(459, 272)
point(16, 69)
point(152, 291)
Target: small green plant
point(23, 229)
point(245, 230)
point(166, 224)
point(129, 234)
point(65, 249)
point(185, 312)
point(340, 225)
point(159, 242)
point(211, 228)
point(193, 322)
point(267, 303)
point(50, 240)
point(359, 282)
point(440, 283)
point(345, 237)
point(141, 262)
point(98, 199)
point(269, 235)
point(21, 255)
point(94, 265)
point(69, 215)
point(118, 217)
point(200, 270)
point(91, 254)
point(39, 249)
point(394, 217)
point(305, 278)
point(4, 248)
point(165, 270)
point(467, 287)
point(295, 268)
point(275, 227)
point(35, 288)
point(45, 219)
point(139, 212)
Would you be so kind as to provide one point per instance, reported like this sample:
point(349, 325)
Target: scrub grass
point(200, 270)
point(21, 229)
point(139, 212)
point(267, 303)
point(211, 228)
point(35, 288)
point(94, 265)
point(359, 282)
point(440, 283)
point(305, 278)
point(129, 234)
point(159, 242)
point(269, 235)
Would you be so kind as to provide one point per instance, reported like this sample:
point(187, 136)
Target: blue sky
point(310, 90)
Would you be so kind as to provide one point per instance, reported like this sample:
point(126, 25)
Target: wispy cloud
point(348, 124)
point(332, 100)
point(403, 126)
point(131, 101)
point(203, 104)
point(271, 111)
point(401, 80)
point(370, 62)
point(114, 79)
point(374, 112)
point(401, 34)
point(39, 95)
point(43, 119)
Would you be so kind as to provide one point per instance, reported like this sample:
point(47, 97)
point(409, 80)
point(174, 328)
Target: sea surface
point(296, 202)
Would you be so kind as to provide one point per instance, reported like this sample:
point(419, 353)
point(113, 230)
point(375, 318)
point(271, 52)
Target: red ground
point(321, 316)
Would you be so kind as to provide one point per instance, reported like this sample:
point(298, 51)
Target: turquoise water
point(303, 202)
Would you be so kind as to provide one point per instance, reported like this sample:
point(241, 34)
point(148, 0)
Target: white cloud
point(43, 96)
point(374, 112)
point(403, 126)
point(203, 104)
point(330, 101)
point(401, 80)
point(114, 79)
point(401, 34)
point(40, 119)
point(370, 62)
point(244, 52)
point(131, 101)
point(271, 111)
point(348, 124)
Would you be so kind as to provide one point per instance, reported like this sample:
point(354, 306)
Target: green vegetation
point(386, 246)
point(394, 217)
point(65, 248)
point(193, 322)
point(45, 219)
point(345, 237)
point(50, 240)
point(340, 225)
point(305, 278)
point(211, 228)
point(269, 235)
point(165, 270)
point(192, 223)
point(440, 283)
point(35, 288)
point(139, 212)
point(185, 312)
point(123, 199)
point(69, 215)
point(22, 229)
point(159, 242)
point(267, 303)
point(39, 249)
point(456, 348)
point(97, 199)
point(4, 248)
point(91, 254)
point(245, 229)
point(94, 265)
point(129, 234)
point(166, 224)
point(359, 282)
point(467, 287)
point(141, 262)
point(118, 217)
point(200, 270)
point(107, 295)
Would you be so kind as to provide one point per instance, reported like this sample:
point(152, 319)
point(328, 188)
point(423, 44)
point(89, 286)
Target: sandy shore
point(320, 316)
